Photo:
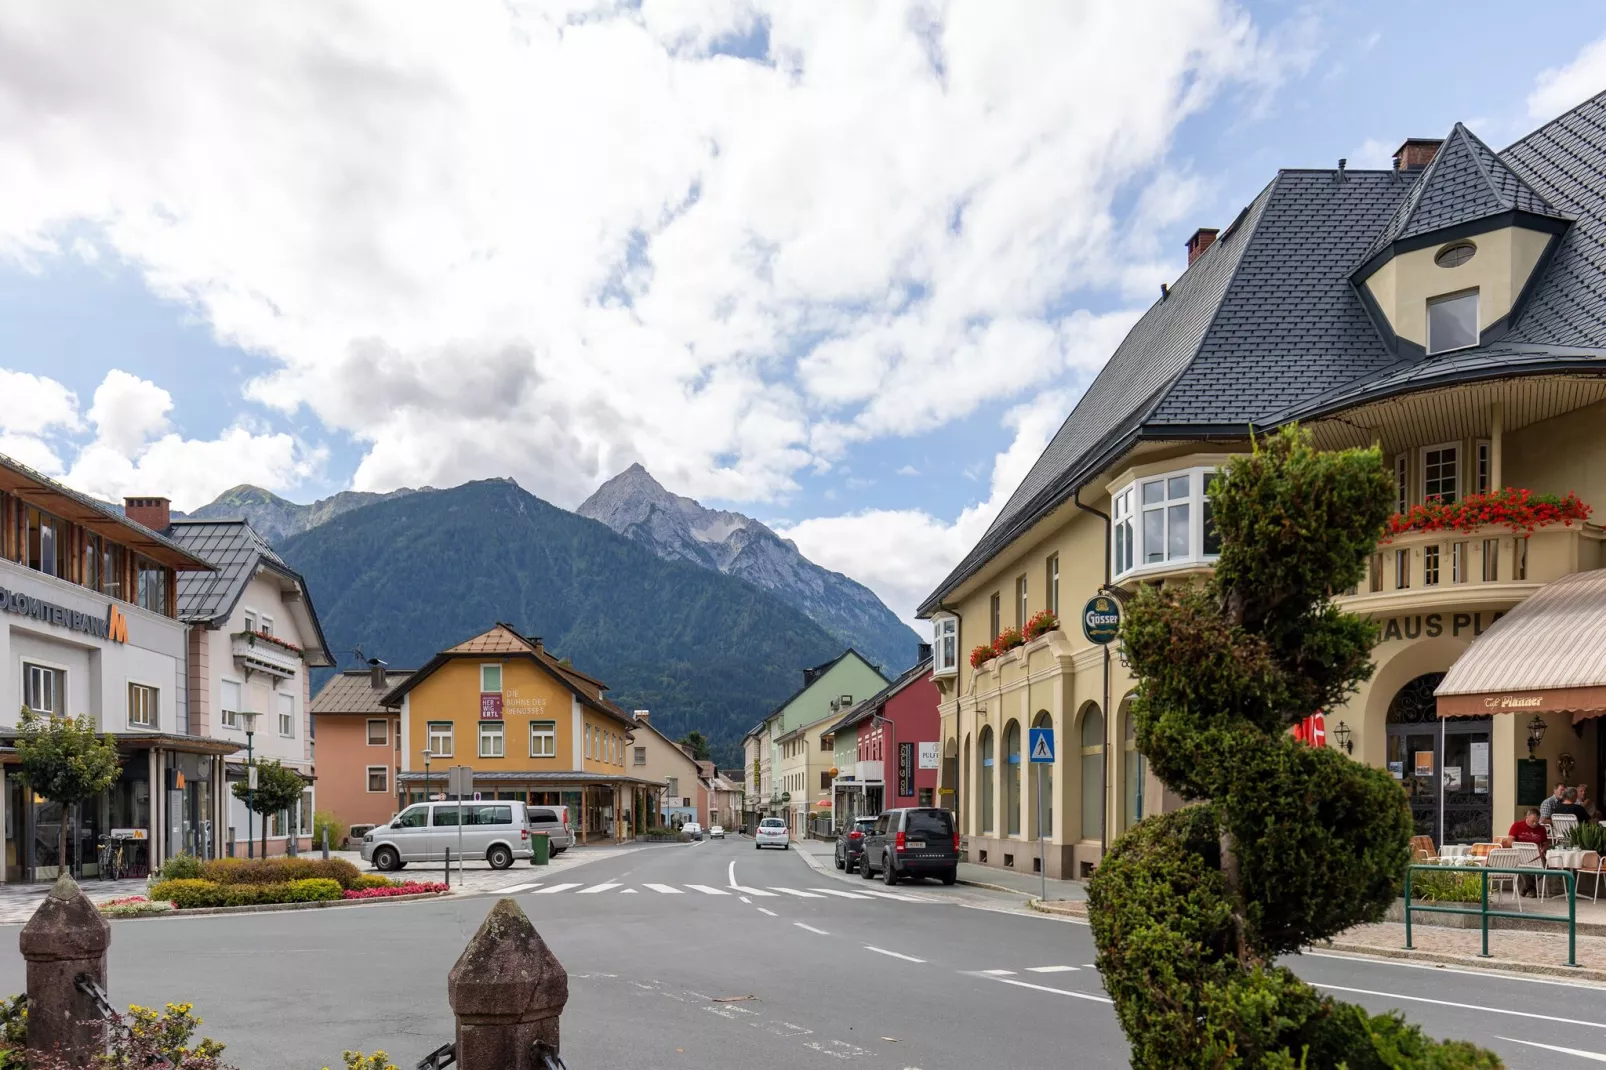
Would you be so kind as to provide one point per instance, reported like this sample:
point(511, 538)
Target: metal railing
point(446, 1055)
point(1569, 878)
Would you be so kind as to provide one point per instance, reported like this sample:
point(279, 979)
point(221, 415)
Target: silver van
point(554, 821)
point(496, 831)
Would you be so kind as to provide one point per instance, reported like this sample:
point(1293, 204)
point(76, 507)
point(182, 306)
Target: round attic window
point(1455, 255)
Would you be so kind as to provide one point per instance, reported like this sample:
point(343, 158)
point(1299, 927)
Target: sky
point(842, 267)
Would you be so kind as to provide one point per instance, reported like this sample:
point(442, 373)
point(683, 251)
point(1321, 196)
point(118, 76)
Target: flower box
point(1520, 510)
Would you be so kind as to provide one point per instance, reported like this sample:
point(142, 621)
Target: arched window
point(1134, 767)
point(962, 801)
point(1046, 775)
point(1093, 773)
point(1012, 778)
point(986, 779)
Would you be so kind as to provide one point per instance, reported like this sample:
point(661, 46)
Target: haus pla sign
point(113, 626)
point(1101, 619)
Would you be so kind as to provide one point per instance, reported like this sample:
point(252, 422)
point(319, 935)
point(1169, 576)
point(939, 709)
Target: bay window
point(945, 645)
point(1162, 521)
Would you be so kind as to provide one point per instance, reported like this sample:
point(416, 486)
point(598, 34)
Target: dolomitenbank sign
point(113, 625)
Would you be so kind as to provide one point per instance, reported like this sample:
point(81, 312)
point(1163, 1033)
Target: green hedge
point(189, 894)
point(279, 871)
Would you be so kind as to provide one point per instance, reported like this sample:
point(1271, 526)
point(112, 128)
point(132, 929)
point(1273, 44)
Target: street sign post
point(1040, 749)
point(460, 782)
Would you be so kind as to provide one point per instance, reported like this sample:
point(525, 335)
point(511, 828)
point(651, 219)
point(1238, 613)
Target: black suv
point(850, 842)
point(917, 842)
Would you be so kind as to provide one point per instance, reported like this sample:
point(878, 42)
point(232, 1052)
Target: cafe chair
point(1422, 849)
point(1561, 825)
point(1505, 858)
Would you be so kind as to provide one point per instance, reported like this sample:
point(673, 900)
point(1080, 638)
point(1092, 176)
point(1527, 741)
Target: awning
point(1548, 655)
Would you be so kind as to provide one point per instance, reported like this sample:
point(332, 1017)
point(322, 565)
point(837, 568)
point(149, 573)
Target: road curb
point(1471, 962)
point(1062, 908)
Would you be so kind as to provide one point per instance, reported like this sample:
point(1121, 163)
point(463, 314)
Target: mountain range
point(276, 518)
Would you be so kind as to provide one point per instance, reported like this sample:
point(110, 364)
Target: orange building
point(359, 745)
point(530, 726)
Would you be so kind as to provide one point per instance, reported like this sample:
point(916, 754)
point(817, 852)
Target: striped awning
point(1548, 655)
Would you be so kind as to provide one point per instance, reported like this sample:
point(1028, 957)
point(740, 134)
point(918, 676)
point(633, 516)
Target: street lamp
point(426, 774)
point(250, 720)
point(1536, 732)
point(1342, 734)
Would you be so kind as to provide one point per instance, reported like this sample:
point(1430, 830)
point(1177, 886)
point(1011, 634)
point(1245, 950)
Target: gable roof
point(1267, 326)
point(352, 691)
point(504, 641)
point(814, 675)
point(237, 554)
point(861, 711)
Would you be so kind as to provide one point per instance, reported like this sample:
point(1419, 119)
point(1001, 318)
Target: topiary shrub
point(372, 880)
point(181, 867)
point(279, 870)
point(312, 890)
point(1287, 843)
point(187, 894)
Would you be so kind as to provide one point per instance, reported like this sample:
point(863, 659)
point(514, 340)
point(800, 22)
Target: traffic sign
point(1101, 619)
point(1041, 741)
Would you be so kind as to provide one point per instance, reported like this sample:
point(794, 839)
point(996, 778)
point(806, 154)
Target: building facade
point(529, 726)
point(1445, 311)
point(89, 626)
point(359, 745)
point(801, 753)
point(887, 748)
point(656, 758)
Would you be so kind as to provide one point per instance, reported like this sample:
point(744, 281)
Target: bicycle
point(113, 860)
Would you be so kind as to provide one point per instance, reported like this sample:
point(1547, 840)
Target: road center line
point(1594, 1057)
point(1462, 1006)
point(812, 929)
point(744, 899)
point(771, 913)
point(1056, 991)
point(893, 954)
point(732, 873)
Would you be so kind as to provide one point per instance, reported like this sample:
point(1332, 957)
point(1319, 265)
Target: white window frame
point(286, 718)
point(265, 623)
point(450, 736)
point(368, 779)
point(155, 721)
point(22, 676)
point(549, 734)
point(944, 657)
point(1126, 528)
point(497, 690)
point(251, 620)
point(384, 725)
point(1482, 466)
point(1051, 597)
point(1022, 601)
point(1402, 483)
point(226, 717)
point(641, 756)
point(1477, 312)
point(490, 730)
point(1422, 468)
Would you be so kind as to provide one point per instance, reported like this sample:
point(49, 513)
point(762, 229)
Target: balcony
point(261, 653)
point(1491, 566)
point(871, 772)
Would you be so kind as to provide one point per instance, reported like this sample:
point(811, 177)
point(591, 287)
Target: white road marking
point(999, 973)
point(812, 929)
point(761, 893)
point(794, 891)
point(1090, 965)
point(515, 889)
point(844, 895)
point(1056, 991)
point(1462, 1006)
point(744, 899)
point(555, 888)
point(893, 954)
point(595, 888)
point(1442, 968)
point(705, 889)
point(771, 913)
point(628, 891)
point(1051, 969)
point(732, 873)
point(895, 895)
point(665, 889)
point(1592, 1056)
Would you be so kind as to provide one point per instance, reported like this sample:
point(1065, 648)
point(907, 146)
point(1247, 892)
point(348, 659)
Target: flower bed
point(134, 906)
point(404, 888)
point(1520, 510)
point(189, 893)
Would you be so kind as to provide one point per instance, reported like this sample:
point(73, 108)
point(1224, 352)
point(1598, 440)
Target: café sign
point(1504, 703)
point(113, 626)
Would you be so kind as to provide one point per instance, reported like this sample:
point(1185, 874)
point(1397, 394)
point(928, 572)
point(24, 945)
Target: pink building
point(897, 752)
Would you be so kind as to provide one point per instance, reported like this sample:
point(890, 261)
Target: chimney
point(376, 674)
point(1202, 239)
point(642, 716)
point(924, 653)
point(535, 641)
point(154, 513)
point(1417, 152)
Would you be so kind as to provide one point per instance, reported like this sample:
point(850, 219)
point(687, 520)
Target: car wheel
point(849, 866)
point(950, 877)
point(889, 875)
point(499, 857)
point(386, 859)
point(758, 846)
point(837, 858)
point(864, 868)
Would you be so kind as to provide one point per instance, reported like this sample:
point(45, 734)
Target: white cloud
point(498, 240)
point(908, 470)
point(128, 411)
point(34, 405)
point(1560, 88)
point(1373, 154)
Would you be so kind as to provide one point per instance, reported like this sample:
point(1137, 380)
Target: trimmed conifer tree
point(1284, 843)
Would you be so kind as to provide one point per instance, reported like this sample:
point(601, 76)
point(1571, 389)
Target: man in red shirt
point(1529, 830)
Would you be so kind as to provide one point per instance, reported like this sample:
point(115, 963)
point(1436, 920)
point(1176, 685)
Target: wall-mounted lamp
point(1536, 733)
point(1342, 734)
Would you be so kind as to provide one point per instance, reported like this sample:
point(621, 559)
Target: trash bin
point(541, 849)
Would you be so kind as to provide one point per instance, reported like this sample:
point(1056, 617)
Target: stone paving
point(1508, 948)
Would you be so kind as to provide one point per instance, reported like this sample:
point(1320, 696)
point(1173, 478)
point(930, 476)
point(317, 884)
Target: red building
point(897, 733)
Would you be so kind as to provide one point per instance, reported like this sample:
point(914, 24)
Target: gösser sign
point(1101, 619)
point(113, 625)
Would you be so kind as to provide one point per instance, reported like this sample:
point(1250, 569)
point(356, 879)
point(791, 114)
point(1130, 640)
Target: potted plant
point(980, 654)
point(1518, 509)
point(1008, 639)
point(1041, 624)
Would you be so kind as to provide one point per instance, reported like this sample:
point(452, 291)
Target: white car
point(716, 832)
point(772, 833)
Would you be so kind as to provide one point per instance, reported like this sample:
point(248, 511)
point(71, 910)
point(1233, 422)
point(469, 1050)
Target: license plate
point(917, 843)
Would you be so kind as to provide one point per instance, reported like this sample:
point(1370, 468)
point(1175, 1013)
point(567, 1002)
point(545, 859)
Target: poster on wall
point(1397, 770)
point(906, 769)
point(1424, 763)
point(928, 755)
point(1480, 759)
point(490, 705)
point(1452, 778)
point(1480, 783)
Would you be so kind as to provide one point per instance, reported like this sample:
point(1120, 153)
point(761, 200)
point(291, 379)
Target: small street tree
point(698, 743)
point(1285, 844)
point(65, 760)
point(278, 788)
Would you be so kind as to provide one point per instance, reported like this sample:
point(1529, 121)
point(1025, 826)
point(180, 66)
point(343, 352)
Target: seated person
point(1529, 830)
point(1569, 805)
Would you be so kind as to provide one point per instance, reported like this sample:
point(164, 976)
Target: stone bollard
point(65, 939)
point(506, 991)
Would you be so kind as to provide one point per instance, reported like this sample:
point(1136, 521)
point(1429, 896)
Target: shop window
point(492, 741)
point(543, 739)
point(141, 706)
point(945, 646)
point(924, 797)
point(440, 739)
point(379, 779)
point(1045, 779)
point(491, 679)
point(1430, 565)
point(378, 732)
point(44, 689)
point(1164, 520)
point(1441, 467)
point(1135, 768)
point(1012, 778)
point(1521, 569)
point(1093, 774)
point(229, 703)
point(287, 716)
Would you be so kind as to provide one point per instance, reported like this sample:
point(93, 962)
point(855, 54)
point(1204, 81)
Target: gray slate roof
point(1267, 326)
point(234, 549)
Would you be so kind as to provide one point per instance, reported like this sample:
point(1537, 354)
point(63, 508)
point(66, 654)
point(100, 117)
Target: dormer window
point(1452, 322)
point(1455, 254)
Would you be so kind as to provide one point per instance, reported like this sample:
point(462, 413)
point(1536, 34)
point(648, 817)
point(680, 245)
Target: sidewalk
point(998, 880)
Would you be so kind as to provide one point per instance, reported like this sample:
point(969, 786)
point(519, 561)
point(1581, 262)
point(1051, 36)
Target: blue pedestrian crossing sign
point(1041, 742)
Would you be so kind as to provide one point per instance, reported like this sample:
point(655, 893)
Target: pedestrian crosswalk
point(773, 892)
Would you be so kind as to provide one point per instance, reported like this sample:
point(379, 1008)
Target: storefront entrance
point(1444, 765)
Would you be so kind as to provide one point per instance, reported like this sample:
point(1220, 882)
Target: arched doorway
point(1444, 765)
point(986, 771)
point(1012, 779)
point(1092, 750)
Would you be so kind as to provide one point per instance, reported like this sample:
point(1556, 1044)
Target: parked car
point(716, 832)
point(692, 829)
point(498, 832)
point(772, 833)
point(916, 842)
point(554, 821)
point(850, 842)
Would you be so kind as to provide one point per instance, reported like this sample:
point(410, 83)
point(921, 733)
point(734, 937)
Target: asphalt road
point(927, 981)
